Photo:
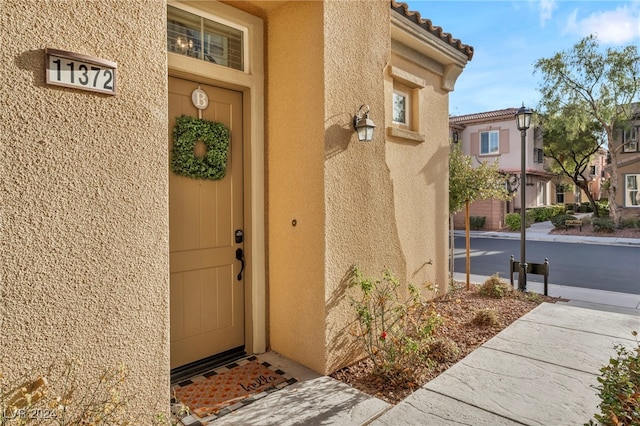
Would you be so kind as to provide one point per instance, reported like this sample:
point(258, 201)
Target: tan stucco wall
point(295, 132)
point(84, 252)
point(372, 204)
point(361, 220)
point(420, 173)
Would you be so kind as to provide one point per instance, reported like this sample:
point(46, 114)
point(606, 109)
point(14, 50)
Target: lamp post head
point(523, 117)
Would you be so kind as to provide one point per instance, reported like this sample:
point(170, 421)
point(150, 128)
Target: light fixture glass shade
point(523, 117)
point(364, 126)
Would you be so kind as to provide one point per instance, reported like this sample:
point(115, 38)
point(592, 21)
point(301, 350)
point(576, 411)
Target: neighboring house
point(627, 146)
point(566, 192)
point(109, 257)
point(493, 136)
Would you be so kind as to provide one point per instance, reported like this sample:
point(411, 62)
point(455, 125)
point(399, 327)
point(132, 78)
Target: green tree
point(603, 82)
point(468, 184)
point(572, 145)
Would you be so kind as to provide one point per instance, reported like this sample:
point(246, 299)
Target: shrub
point(443, 349)
point(631, 222)
point(512, 220)
point(586, 207)
point(603, 225)
point(59, 397)
point(394, 327)
point(477, 222)
point(543, 214)
point(558, 221)
point(619, 388)
point(603, 208)
point(487, 317)
point(495, 287)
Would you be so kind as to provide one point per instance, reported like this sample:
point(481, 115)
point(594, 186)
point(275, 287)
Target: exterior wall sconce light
point(363, 125)
point(523, 120)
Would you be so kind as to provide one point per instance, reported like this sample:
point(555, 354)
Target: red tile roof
point(403, 9)
point(508, 112)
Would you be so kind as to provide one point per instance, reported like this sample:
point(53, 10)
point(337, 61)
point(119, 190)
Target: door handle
point(240, 257)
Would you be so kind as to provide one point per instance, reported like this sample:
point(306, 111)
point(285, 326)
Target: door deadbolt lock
point(239, 236)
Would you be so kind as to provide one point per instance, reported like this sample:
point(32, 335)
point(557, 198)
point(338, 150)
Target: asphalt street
point(602, 267)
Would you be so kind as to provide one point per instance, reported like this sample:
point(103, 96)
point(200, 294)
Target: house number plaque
point(79, 71)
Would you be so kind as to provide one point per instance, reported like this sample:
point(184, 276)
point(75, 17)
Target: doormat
point(226, 389)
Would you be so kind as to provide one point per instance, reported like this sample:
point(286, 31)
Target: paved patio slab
point(322, 400)
point(588, 320)
point(425, 407)
point(561, 346)
point(522, 389)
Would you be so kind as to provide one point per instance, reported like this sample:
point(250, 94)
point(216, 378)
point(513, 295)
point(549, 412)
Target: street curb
point(532, 236)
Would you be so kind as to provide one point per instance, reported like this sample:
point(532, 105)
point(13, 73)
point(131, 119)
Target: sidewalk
point(540, 232)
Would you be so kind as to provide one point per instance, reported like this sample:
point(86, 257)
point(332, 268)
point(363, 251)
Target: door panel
point(207, 299)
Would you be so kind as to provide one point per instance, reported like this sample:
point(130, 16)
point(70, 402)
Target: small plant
point(395, 326)
point(603, 225)
point(443, 350)
point(487, 318)
point(619, 389)
point(495, 287)
point(533, 297)
point(58, 398)
point(477, 222)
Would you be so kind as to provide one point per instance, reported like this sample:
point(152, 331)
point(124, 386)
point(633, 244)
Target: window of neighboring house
point(560, 189)
point(212, 41)
point(538, 155)
point(401, 108)
point(632, 190)
point(489, 142)
point(630, 140)
point(592, 170)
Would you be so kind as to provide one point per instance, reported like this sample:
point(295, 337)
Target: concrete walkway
point(541, 370)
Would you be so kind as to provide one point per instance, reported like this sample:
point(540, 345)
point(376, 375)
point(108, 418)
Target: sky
point(509, 36)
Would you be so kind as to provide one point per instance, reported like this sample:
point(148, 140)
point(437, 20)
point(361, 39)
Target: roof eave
point(420, 40)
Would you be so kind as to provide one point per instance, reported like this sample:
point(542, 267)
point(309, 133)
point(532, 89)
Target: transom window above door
point(212, 41)
point(489, 142)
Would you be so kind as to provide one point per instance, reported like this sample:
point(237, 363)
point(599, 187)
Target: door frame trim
point(251, 84)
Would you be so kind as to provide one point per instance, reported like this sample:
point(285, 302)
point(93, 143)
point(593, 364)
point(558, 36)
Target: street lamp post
point(523, 119)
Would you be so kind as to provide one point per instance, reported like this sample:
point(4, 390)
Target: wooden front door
point(207, 298)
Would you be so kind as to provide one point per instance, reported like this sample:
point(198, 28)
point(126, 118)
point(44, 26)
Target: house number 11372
point(81, 72)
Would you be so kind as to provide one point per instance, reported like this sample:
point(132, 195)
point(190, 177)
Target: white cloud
point(619, 26)
point(546, 10)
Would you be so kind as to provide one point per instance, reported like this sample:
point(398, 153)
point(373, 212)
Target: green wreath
point(215, 136)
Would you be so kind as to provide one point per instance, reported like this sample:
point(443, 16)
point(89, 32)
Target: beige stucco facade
point(84, 261)
point(85, 265)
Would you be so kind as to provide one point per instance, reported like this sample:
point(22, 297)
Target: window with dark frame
point(538, 155)
point(211, 41)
